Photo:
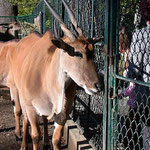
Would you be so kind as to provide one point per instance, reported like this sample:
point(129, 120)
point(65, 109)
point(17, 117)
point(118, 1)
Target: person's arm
point(130, 65)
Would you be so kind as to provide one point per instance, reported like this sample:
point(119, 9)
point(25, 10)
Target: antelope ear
point(59, 43)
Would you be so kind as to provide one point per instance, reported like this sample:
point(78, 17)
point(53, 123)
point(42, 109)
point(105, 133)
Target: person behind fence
point(124, 44)
point(138, 122)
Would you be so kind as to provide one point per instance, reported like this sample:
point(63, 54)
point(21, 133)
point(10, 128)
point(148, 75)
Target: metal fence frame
point(116, 121)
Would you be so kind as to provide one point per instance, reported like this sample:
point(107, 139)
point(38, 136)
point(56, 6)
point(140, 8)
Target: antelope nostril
point(99, 86)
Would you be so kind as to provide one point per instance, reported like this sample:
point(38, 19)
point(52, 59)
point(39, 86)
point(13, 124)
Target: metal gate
point(128, 120)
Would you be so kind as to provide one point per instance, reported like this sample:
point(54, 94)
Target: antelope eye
point(78, 54)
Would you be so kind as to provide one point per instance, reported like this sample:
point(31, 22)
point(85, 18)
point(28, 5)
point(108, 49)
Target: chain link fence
point(131, 111)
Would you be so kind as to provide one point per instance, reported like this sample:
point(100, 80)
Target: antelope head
point(12, 27)
point(77, 54)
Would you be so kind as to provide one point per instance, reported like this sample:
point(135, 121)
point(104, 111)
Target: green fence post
point(77, 11)
point(44, 17)
point(106, 46)
point(110, 98)
point(112, 102)
point(110, 44)
point(116, 52)
point(41, 22)
point(92, 23)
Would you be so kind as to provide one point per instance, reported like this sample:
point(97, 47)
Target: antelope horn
point(64, 28)
point(95, 40)
point(72, 18)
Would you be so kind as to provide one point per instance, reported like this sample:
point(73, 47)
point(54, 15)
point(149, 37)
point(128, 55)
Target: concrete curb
point(73, 139)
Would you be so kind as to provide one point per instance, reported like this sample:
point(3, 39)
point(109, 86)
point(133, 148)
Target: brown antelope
point(4, 73)
point(5, 47)
point(45, 73)
point(4, 69)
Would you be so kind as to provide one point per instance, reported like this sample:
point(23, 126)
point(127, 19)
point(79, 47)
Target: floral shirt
point(139, 63)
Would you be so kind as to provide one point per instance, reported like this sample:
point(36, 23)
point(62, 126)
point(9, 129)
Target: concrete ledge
point(73, 140)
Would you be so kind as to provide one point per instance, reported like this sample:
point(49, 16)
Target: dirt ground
point(7, 137)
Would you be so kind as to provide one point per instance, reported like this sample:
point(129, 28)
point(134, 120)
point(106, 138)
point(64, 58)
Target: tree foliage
point(25, 7)
point(128, 9)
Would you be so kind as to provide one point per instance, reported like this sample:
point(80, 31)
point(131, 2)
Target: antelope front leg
point(63, 116)
point(56, 139)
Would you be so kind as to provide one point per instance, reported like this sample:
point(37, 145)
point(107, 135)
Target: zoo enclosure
point(102, 118)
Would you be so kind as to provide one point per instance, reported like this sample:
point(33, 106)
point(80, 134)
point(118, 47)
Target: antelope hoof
point(24, 146)
point(18, 137)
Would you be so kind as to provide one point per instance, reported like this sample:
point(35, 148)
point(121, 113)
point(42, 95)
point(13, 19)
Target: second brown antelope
point(4, 73)
point(4, 69)
point(5, 49)
point(46, 72)
point(10, 30)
